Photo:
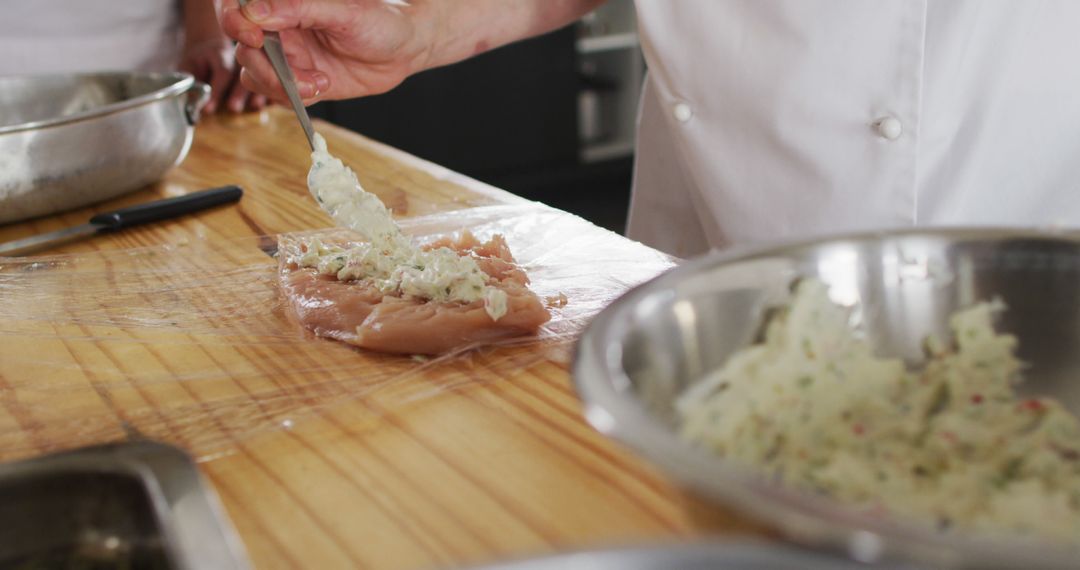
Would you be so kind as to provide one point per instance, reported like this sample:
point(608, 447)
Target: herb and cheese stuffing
point(390, 259)
point(953, 442)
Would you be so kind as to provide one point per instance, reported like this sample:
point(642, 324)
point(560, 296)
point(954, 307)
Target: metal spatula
point(274, 51)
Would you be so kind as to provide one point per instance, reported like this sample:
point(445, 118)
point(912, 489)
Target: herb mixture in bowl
point(952, 441)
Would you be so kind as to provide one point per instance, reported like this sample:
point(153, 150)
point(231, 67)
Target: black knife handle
point(167, 208)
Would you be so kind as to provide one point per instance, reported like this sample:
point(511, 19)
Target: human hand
point(336, 49)
point(213, 62)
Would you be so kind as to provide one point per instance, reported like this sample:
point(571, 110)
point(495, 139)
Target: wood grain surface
point(403, 466)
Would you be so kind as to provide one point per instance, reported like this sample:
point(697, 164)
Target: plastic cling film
point(192, 344)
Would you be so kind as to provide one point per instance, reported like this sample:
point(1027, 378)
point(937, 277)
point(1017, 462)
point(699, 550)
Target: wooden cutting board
point(324, 456)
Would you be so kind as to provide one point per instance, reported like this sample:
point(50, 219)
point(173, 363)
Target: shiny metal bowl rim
point(182, 82)
point(612, 409)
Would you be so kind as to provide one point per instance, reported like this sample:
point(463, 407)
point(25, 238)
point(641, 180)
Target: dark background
point(508, 118)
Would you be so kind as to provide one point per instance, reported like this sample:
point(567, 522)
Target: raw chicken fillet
point(356, 312)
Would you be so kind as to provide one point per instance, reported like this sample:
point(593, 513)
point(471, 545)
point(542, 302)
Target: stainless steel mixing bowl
point(663, 336)
point(70, 140)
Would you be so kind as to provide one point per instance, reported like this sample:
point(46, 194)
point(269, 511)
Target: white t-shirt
point(60, 36)
point(769, 119)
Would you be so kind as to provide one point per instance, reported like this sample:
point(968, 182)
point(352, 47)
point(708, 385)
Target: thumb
point(277, 15)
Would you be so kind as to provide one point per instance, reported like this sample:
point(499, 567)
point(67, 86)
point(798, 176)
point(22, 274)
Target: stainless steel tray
point(703, 556)
point(137, 505)
point(70, 140)
point(648, 346)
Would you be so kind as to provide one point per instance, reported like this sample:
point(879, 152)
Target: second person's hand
point(212, 62)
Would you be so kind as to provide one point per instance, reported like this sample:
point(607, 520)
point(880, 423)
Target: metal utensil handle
point(274, 51)
point(168, 208)
point(276, 54)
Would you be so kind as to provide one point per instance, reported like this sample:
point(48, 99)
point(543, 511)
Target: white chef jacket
point(60, 36)
point(770, 119)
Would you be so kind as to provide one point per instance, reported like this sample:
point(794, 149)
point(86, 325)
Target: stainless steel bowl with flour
point(71, 140)
point(646, 350)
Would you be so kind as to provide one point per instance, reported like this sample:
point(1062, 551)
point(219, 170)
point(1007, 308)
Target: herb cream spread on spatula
point(390, 294)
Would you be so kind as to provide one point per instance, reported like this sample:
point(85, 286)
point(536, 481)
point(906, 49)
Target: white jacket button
point(889, 128)
point(682, 112)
